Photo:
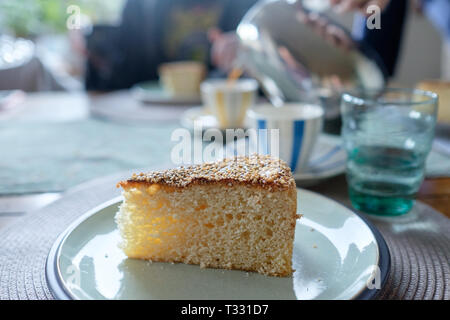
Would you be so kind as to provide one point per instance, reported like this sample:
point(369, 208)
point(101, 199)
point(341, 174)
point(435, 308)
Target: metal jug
point(294, 63)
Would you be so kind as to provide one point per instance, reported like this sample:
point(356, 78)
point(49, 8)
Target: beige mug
point(182, 78)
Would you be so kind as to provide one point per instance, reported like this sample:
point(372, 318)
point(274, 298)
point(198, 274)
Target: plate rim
point(52, 264)
point(59, 290)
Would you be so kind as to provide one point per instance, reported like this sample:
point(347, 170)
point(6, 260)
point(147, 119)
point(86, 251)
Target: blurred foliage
point(29, 18)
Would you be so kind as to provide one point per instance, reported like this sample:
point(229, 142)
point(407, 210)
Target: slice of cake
point(239, 213)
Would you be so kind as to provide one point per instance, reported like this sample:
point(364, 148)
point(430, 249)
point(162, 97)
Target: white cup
point(298, 127)
point(228, 101)
point(182, 78)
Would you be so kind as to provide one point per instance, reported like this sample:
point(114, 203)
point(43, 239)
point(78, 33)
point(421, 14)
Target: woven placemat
point(419, 244)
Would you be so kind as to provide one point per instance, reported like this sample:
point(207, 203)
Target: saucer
point(327, 160)
point(151, 92)
point(197, 115)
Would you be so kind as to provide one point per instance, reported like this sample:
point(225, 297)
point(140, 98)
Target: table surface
point(74, 106)
point(436, 193)
point(419, 257)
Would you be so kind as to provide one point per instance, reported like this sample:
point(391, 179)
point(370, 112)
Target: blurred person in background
point(386, 42)
point(153, 32)
point(438, 11)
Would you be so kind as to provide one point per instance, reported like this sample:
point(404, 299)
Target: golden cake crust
point(258, 170)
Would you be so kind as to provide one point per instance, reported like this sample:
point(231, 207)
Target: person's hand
point(224, 49)
point(417, 6)
point(331, 33)
point(358, 5)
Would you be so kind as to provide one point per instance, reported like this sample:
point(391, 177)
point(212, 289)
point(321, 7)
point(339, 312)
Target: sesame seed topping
point(256, 169)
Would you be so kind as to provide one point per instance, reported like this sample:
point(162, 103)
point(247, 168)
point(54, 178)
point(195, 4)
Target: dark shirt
point(386, 41)
point(153, 32)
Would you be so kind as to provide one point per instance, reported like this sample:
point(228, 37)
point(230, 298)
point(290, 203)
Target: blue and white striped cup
point(298, 127)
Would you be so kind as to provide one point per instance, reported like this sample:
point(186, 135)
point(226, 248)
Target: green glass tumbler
point(387, 135)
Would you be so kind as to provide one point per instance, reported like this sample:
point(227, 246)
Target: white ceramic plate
point(152, 93)
point(336, 253)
